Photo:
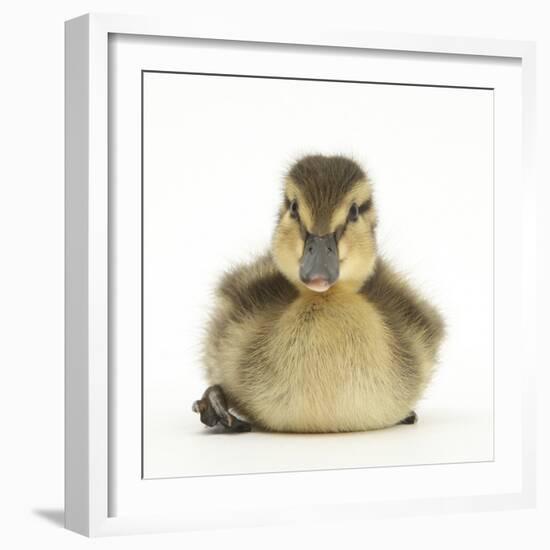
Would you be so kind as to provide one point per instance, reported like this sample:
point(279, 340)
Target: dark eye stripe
point(341, 229)
point(365, 206)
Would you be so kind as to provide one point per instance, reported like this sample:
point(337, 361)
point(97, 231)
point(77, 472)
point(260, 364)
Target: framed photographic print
point(298, 275)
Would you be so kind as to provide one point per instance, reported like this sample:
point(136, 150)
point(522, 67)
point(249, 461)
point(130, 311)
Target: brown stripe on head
point(323, 182)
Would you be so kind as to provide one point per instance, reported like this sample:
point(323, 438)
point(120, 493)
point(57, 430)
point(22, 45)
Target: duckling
point(319, 334)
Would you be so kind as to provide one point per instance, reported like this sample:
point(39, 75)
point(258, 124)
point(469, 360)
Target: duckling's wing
point(402, 307)
point(256, 286)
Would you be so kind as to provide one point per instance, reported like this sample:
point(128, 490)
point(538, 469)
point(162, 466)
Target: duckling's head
point(325, 233)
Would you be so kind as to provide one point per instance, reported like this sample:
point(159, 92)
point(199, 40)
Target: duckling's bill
point(320, 265)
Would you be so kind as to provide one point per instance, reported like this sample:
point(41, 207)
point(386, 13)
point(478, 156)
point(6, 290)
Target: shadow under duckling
point(319, 334)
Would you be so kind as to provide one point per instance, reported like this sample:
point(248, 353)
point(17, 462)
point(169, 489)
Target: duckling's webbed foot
point(213, 410)
point(411, 419)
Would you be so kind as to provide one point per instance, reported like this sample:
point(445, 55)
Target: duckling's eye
point(353, 214)
point(293, 208)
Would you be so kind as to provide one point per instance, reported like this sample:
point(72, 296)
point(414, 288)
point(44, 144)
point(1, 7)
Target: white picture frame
point(92, 485)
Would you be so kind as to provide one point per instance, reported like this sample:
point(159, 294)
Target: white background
point(215, 152)
point(31, 295)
